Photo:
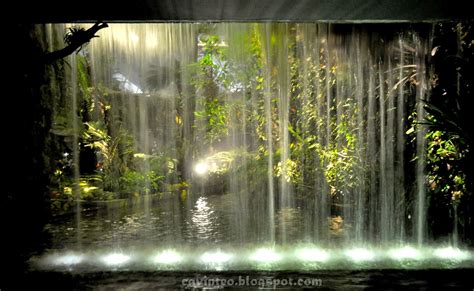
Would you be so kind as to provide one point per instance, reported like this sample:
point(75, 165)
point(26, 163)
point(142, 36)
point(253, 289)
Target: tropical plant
point(210, 78)
point(110, 164)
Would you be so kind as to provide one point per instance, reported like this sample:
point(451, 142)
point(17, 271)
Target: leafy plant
point(110, 163)
point(210, 77)
point(140, 182)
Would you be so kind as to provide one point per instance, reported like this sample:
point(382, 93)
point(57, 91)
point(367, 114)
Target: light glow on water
point(216, 257)
point(115, 259)
point(330, 258)
point(360, 255)
point(168, 257)
point(265, 255)
point(68, 260)
point(451, 253)
point(312, 255)
point(405, 253)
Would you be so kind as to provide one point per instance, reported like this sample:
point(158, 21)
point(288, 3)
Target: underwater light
point(167, 257)
point(359, 255)
point(265, 255)
point(313, 255)
point(405, 253)
point(115, 259)
point(216, 257)
point(201, 168)
point(69, 259)
point(451, 253)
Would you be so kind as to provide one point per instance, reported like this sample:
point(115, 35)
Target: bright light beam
point(312, 255)
point(216, 257)
point(168, 257)
point(115, 259)
point(451, 253)
point(201, 168)
point(265, 256)
point(68, 260)
point(405, 253)
point(360, 255)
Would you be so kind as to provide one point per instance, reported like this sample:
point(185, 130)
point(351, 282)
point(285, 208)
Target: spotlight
point(405, 253)
point(168, 257)
point(451, 253)
point(201, 168)
point(313, 255)
point(115, 259)
point(360, 255)
point(216, 257)
point(265, 256)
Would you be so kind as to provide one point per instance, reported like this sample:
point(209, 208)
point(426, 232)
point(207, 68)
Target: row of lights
point(267, 255)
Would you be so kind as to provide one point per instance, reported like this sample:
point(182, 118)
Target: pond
point(165, 236)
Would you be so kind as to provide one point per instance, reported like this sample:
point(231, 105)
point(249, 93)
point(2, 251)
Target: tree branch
point(76, 42)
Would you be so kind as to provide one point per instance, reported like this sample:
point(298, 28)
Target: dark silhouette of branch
point(75, 41)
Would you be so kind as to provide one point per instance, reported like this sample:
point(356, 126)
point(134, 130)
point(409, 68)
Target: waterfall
point(420, 147)
point(303, 126)
point(400, 152)
point(269, 134)
point(76, 190)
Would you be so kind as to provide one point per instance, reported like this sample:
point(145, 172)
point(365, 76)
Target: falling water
point(371, 152)
point(299, 130)
point(400, 176)
point(269, 133)
point(420, 147)
point(359, 219)
point(386, 213)
point(76, 190)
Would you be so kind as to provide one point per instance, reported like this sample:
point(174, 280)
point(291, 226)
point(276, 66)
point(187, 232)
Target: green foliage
point(221, 162)
point(108, 149)
point(311, 152)
point(448, 119)
point(215, 114)
point(446, 175)
point(139, 182)
point(289, 171)
point(340, 162)
point(210, 77)
point(274, 75)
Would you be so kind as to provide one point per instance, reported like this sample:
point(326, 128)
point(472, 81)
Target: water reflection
point(203, 218)
point(169, 222)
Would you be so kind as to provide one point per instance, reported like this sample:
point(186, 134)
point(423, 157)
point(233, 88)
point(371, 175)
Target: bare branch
point(75, 43)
